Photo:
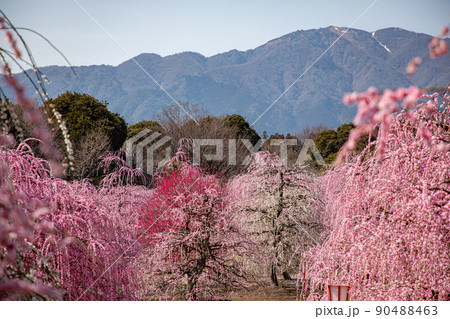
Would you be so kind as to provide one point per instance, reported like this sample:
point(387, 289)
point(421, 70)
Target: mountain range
point(248, 82)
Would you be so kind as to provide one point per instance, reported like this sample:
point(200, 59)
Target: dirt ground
point(286, 291)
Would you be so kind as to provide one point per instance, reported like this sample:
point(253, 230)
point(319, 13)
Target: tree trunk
point(190, 289)
point(273, 275)
point(276, 231)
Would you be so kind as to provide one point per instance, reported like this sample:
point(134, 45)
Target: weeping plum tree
point(24, 270)
point(281, 208)
point(194, 248)
point(89, 238)
point(58, 239)
point(387, 209)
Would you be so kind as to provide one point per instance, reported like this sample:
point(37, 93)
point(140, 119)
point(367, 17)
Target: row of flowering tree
point(191, 236)
point(379, 221)
point(387, 209)
point(387, 213)
point(69, 236)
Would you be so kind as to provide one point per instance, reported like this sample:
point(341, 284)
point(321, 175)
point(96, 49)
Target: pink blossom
point(412, 65)
point(438, 47)
point(388, 221)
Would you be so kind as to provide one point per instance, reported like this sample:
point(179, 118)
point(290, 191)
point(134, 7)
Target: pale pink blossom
point(412, 65)
point(438, 47)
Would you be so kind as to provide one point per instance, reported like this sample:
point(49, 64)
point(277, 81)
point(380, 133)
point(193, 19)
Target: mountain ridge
point(248, 82)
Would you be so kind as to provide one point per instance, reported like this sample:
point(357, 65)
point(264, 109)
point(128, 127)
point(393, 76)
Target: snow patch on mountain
point(386, 48)
point(340, 29)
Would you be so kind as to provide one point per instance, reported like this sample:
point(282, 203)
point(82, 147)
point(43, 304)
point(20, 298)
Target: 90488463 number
point(406, 310)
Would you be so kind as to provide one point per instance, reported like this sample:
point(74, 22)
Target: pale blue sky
point(207, 27)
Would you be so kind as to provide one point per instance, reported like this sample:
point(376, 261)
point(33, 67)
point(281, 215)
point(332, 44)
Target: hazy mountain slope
point(249, 82)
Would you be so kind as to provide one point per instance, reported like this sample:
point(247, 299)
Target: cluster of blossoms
point(388, 221)
point(194, 248)
point(5, 110)
point(9, 37)
point(21, 270)
point(387, 212)
point(19, 222)
point(378, 110)
point(65, 133)
point(86, 234)
point(413, 65)
point(281, 208)
point(34, 117)
point(58, 239)
point(31, 113)
point(437, 48)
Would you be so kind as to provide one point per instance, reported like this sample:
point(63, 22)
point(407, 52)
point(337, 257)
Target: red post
point(338, 292)
point(303, 266)
point(303, 269)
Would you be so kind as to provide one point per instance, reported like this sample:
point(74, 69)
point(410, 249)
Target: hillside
point(248, 82)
